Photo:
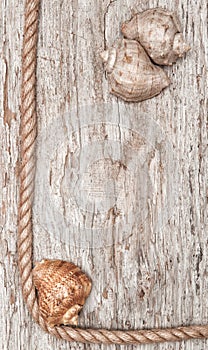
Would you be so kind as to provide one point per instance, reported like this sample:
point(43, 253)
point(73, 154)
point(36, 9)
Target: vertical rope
point(28, 132)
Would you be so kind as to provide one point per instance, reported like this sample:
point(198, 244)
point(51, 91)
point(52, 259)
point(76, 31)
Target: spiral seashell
point(159, 32)
point(62, 291)
point(131, 74)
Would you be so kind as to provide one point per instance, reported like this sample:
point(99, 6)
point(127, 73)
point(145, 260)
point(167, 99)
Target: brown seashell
point(131, 74)
point(159, 32)
point(62, 291)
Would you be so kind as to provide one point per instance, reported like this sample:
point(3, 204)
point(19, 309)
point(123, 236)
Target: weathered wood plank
point(121, 189)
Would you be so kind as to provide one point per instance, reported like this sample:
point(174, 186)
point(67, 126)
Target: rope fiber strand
point(28, 131)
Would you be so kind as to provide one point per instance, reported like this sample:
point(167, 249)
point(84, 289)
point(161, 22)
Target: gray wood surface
point(121, 189)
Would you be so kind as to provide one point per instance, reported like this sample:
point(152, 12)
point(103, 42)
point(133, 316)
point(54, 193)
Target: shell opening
point(104, 55)
point(109, 59)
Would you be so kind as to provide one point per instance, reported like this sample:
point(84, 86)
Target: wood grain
point(121, 189)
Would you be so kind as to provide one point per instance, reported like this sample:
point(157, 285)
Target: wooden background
point(121, 189)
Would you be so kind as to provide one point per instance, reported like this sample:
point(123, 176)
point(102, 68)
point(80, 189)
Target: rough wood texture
point(121, 189)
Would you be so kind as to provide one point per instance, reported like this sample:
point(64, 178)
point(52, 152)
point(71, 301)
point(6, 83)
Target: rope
point(28, 131)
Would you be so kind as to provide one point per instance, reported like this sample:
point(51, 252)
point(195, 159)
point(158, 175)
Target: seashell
point(159, 32)
point(62, 291)
point(131, 74)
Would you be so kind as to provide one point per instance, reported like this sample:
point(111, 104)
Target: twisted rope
point(28, 131)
